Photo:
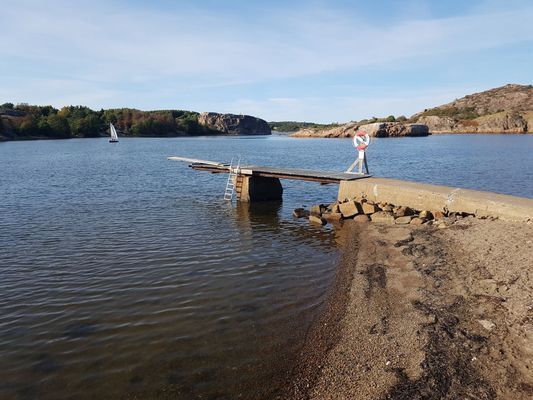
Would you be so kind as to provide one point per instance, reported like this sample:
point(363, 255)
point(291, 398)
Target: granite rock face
point(394, 129)
point(437, 124)
point(232, 124)
point(377, 129)
point(502, 122)
point(509, 98)
point(506, 109)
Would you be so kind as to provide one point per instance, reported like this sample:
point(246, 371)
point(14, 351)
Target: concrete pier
point(422, 196)
point(259, 183)
point(257, 188)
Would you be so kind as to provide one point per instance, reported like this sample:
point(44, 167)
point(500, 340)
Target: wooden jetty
point(259, 183)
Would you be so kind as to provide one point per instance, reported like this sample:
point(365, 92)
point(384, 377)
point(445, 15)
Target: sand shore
point(425, 313)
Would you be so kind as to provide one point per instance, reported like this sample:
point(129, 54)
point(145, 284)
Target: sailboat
point(114, 136)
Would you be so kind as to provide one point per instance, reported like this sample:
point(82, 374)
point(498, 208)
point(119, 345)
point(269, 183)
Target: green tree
point(390, 118)
point(59, 126)
point(29, 126)
point(90, 126)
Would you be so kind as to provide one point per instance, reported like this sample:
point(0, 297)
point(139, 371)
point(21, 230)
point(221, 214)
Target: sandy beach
point(425, 313)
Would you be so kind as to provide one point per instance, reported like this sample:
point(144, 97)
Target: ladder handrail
point(230, 184)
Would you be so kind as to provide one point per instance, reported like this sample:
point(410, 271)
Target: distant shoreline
point(4, 139)
point(296, 134)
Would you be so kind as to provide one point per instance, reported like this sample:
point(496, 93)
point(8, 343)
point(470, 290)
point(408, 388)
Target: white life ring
point(361, 140)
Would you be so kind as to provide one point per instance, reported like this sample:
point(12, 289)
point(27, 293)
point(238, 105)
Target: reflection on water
point(124, 275)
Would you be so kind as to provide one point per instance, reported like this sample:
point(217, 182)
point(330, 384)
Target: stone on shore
point(361, 218)
point(386, 207)
point(403, 211)
point(382, 217)
point(350, 208)
point(425, 214)
point(334, 208)
point(417, 221)
point(370, 208)
point(403, 220)
point(315, 219)
point(488, 325)
point(316, 210)
point(438, 214)
point(332, 216)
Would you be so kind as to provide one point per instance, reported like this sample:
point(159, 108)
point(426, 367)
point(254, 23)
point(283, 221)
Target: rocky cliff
point(507, 109)
point(378, 129)
point(232, 124)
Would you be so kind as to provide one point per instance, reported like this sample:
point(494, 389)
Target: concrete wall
point(421, 196)
point(255, 188)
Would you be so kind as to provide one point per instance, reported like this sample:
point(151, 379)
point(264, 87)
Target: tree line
point(31, 121)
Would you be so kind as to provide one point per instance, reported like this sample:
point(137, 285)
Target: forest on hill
point(24, 121)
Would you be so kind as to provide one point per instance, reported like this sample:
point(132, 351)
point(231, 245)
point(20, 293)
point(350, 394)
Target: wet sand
point(425, 313)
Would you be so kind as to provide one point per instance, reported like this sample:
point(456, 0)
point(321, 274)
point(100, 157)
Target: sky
point(319, 61)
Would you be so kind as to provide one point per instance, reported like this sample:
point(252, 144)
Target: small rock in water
point(300, 213)
point(382, 217)
point(316, 219)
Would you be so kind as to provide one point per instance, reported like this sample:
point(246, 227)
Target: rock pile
point(362, 210)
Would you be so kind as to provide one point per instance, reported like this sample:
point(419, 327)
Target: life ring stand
point(361, 141)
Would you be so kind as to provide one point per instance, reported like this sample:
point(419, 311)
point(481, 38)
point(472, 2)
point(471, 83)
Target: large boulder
point(438, 124)
point(232, 124)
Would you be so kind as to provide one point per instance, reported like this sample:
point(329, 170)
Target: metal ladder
point(232, 179)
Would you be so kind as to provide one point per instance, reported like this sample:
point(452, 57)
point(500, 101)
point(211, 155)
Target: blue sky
point(322, 61)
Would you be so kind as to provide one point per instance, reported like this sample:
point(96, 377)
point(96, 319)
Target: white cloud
point(97, 53)
point(109, 42)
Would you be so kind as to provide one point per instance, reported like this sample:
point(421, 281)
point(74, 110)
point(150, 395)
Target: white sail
point(114, 136)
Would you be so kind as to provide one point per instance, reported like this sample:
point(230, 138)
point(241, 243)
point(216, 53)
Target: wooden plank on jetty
point(195, 161)
point(273, 172)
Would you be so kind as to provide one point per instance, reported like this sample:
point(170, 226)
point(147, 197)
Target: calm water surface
point(124, 275)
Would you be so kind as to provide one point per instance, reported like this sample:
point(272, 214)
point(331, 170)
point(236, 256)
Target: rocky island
point(507, 109)
point(232, 124)
point(376, 129)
